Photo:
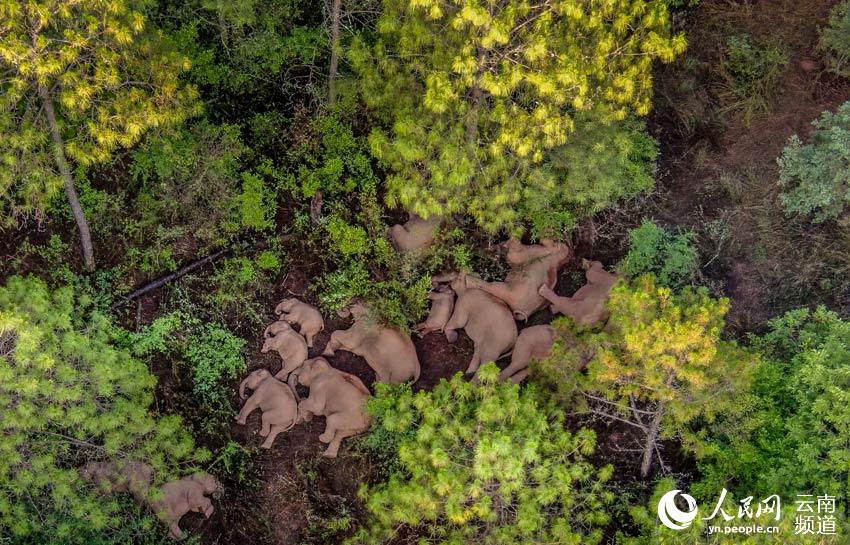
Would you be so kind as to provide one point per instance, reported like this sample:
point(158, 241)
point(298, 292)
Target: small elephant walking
point(533, 343)
point(308, 318)
point(587, 305)
point(189, 494)
point(276, 399)
point(290, 346)
point(339, 397)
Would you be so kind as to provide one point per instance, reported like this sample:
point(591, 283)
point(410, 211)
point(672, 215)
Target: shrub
point(790, 433)
point(653, 249)
point(815, 177)
point(750, 73)
point(67, 396)
point(483, 463)
point(835, 40)
point(212, 354)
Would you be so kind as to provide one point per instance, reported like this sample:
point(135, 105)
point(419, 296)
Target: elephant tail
point(356, 382)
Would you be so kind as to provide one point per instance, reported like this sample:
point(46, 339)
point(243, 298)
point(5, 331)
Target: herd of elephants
point(487, 311)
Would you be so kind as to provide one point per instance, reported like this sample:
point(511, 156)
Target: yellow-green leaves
point(109, 76)
point(497, 86)
point(482, 463)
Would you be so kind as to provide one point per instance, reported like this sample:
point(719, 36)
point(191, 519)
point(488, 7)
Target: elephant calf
point(308, 318)
point(288, 343)
point(387, 350)
point(442, 305)
point(487, 320)
point(415, 234)
point(587, 305)
point(533, 342)
point(177, 498)
point(276, 399)
point(339, 397)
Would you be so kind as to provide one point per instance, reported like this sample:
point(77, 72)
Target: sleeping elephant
point(415, 234)
point(387, 350)
point(276, 399)
point(442, 305)
point(533, 342)
point(487, 320)
point(177, 498)
point(531, 266)
point(112, 477)
point(308, 318)
point(339, 397)
point(587, 305)
point(288, 343)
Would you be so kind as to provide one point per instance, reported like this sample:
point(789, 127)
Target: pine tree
point(476, 92)
point(658, 365)
point(79, 79)
point(68, 396)
point(483, 463)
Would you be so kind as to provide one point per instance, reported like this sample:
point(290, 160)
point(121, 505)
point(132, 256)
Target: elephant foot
point(266, 444)
point(241, 421)
point(326, 437)
point(330, 452)
point(451, 336)
point(264, 433)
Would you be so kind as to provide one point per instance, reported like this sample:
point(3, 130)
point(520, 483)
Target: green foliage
point(239, 289)
point(212, 354)
point(484, 463)
point(257, 205)
point(751, 72)
point(475, 95)
point(671, 257)
point(792, 431)
point(599, 165)
point(816, 176)
point(67, 396)
point(109, 75)
point(835, 40)
point(234, 462)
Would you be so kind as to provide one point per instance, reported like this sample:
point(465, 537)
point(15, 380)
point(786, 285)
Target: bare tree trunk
point(65, 171)
point(337, 6)
point(652, 435)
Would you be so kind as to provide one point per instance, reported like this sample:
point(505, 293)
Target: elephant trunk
point(292, 381)
point(242, 389)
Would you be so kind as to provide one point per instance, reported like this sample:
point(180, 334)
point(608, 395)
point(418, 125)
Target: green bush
point(211, 353)
point(815, 177)
point(483, 463)
point(751, 73)
point(671, 257)
point(68, 396)
point(790, 432)
point(835, 40)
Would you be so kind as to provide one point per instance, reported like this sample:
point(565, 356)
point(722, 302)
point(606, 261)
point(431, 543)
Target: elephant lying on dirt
point(533, 342)
point(276, 399)
point(387, 350)
point(587, 305)
point(531, 266)
point(339, 397)
point(487, 320)
point(113, 477)
point(442, 305)
point(308, 318)
point(177, 498)
point(415, 234)
point(288, 343)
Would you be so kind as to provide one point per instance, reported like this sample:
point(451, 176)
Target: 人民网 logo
point(673, 517)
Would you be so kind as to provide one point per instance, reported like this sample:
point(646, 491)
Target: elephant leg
point(502, 290)
point(175, 530)
point(520, 376)
point(308, 336)
point(333, 447)
point(273, 433)
point(330, 430)
point(266, 427)
point(249, 407)
point(519, 361)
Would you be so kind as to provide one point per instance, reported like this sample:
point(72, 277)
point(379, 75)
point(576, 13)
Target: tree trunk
point(337, 6)
point(477, 97)
point(651, 436)
point(65, 171)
